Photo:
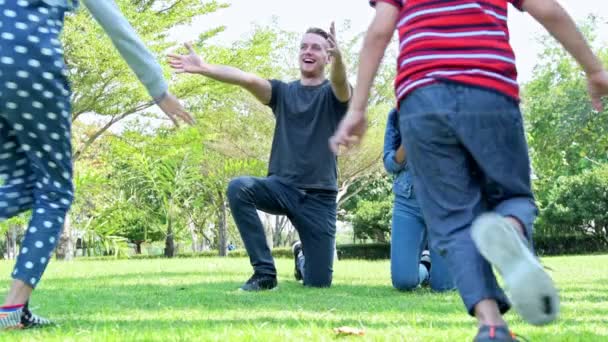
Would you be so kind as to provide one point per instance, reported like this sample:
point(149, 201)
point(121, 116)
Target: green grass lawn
point(196, 299)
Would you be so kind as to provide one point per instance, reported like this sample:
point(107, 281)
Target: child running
point(461, 125)
point(35, 122)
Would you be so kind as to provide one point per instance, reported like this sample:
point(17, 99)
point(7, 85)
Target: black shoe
point(489, 333)
point(296, 248)
point(260, 282)
point(425, 259)
point(30, 320)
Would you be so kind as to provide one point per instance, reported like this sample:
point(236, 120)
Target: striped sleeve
point(396, 3)
point(519, 4)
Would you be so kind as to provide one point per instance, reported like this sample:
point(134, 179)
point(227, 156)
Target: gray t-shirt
point(306, 117)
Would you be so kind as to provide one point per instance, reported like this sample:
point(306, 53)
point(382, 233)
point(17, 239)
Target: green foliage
point(568, 245)
point(578, 205)
point(565, 135)
point(377, 186)
point(102, 81)
point(372, 220)
point(277, 252)
point(368, 251)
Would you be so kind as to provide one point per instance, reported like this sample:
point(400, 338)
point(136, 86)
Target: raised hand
point(598, 88)
point(190, 63)
point(171, 106)
point(334, 49)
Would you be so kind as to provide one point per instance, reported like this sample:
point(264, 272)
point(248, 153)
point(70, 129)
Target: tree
point(101, 81)
point(371, 220)
point(159, 182)
point(579, 205)
point(565, 135)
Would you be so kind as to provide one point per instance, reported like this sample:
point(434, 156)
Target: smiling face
point(313, 55)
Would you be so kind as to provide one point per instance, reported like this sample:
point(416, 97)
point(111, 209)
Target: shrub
point(369, 251)
point(578, 205)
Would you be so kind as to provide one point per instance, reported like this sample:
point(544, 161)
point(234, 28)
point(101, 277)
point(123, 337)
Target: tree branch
point(105, 127)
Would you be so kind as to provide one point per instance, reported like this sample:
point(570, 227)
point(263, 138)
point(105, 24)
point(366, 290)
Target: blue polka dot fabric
point(35, 123)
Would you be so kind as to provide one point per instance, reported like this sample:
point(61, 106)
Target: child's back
point(463, 41)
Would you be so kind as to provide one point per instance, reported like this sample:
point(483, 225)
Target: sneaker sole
point(16, 327)
point(530, 289)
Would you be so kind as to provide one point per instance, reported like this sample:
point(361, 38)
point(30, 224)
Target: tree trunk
point(194, 236)
point(380, 237)
point(8, 244)
point(222, 229)
point(169, 243)
point(268, 229)
point(279, 227)
point(292, 235)
point(65, 247)
point(15, 251)
point(138, 246)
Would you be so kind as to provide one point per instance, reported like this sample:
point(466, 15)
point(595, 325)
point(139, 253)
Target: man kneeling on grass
point(302, 175)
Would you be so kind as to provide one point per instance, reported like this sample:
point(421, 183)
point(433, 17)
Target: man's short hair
point(318, 31)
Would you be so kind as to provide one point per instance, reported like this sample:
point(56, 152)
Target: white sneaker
point(529, 288)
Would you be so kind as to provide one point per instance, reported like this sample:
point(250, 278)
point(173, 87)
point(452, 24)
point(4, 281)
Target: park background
point(144, 251)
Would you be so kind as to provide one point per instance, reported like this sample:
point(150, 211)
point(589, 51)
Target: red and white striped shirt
point(464, 41)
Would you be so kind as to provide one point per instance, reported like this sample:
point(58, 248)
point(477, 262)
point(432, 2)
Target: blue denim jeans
point(408, 239)
point(468, 154)
point(312, 212)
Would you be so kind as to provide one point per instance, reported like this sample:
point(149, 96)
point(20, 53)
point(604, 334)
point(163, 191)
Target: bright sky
point(299, 15)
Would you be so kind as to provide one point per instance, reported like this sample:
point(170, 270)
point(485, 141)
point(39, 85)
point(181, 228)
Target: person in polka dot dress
point(35, 120)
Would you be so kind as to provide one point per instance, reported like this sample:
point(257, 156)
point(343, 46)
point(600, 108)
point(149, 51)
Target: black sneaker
point(30, 320)
point(490, 333)
point(425, 259)
point(260, 282)
point(296, 248)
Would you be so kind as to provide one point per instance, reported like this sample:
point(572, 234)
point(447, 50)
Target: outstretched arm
point(194, 64)
point(137, 56)
point(556, 20)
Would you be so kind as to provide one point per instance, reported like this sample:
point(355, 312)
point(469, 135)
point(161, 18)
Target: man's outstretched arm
point(194, 64)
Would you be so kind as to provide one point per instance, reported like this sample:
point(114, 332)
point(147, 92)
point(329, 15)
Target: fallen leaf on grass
point(349, 331)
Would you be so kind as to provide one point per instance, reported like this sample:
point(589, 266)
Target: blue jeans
point(408, 239)
point(468, 154)
point(35, 123)
point(312, 212)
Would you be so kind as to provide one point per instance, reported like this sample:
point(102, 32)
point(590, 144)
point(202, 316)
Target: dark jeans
point(467, 149)
point(312, 212)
